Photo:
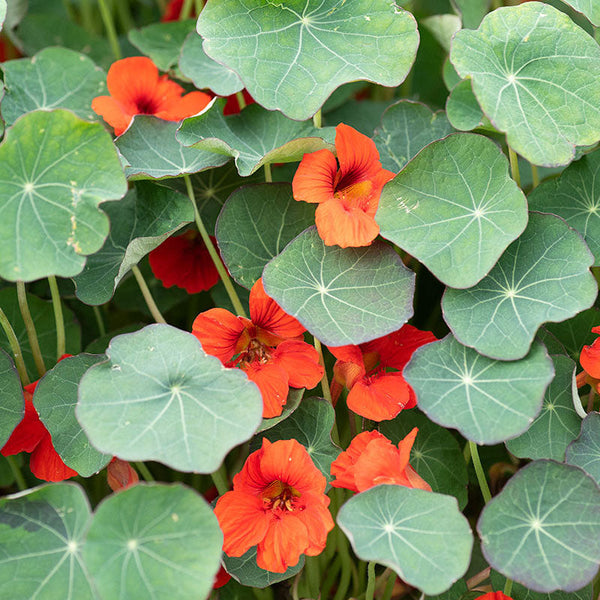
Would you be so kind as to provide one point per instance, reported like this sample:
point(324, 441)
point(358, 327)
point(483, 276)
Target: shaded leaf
point(462, 108)
point(589, 8)
point(584, 452)
point(520, 592)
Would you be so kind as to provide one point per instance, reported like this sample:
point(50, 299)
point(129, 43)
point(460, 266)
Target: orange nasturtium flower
point(278, 504)
point(136, 89)
point(493, 596)
point(372, 459)
point(268, 347)
point(375, 392)
point(348, 197)
point(590, 361)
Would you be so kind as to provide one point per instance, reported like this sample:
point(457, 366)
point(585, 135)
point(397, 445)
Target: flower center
point(279, 495)
point(256, 352)
point(355, 195)
point(146, 105)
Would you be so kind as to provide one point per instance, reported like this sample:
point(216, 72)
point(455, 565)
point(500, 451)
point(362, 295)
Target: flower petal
point(182, 107)
point(380, 397)
point(284, 542)
point(358, 156)
point(345, 226)
point(132, 79)
point(272, 381)
point(45, 462)
point(315, 176)
point(590, 359)
point(117, 114)
point(28, 433)
point(220, 333)
point(300, 361)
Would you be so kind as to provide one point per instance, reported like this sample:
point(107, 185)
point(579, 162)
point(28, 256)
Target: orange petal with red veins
point(220, 333)
point(45, 462)
point(187, 106)
point(272, 381)
point(357, 154)
point(132, 79)
point(315, 177)
point(590, 358)
point(300, 361)
point(415, 480)
point(345, 227)
point(285, 541)
point(317, 519)
point(379, 398)
point(116, 114)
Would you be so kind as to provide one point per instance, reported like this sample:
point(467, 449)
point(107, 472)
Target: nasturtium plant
point(12, 408)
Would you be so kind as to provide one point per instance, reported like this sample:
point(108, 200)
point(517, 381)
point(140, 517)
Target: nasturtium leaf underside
point(151, 151)
point(162, 41)
point(255, 225)
point(590, 8)
point(164, 543)
point(575, 196)
point(292, 402)
point(41, 537)
point(254, 137)
point(457, 225)
point(487, 400)
point(584, 452)
point(292, 56)
point(341, 295)
point(204, 71)
point(462, 108)
point(435, 455)
point(543, 528)
point(13, 404)
point(54, 171)
point(406, 128)
point(420, 535)
point(558, 423)
point(139, 223)
point(520, 592)
point(55, 399)
point(542, 276)
point(43, 318)
point(53, 78)
point(536, 76)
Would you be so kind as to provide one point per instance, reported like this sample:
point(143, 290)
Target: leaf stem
point(58, 317)
point(156, 314)
point(235, 300)
point(535, 176)
point(144, 471)
point(162, 5)
point(483, 485)
point(30, 328)
point(241, 100)
point(313, 576)
point(324, 381)
point(99, 320)
point(109, 26)
point(12, 463)
point(514, 166)
point(478, 578)
point(370, 594)
point(15, 347)
point(220, 480)
point(268, 174)
point(318, 119)
point(186, 10)
point(508, 587)
point(590, 402)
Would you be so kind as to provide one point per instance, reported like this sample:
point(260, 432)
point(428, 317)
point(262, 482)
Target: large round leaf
point(584, 452)
point(590, 8)
point(245, 570)
point(536, 76)
point(543, 528)
point(543, 276)
point(421, 535)
point(13, 405)
point(457, 225)
point(520, 592)
point(255, 225)
point(291, 57)
point(487, 400)
point(41, 539)
point(150, 542)
point(462, 107)
point(341, 295)
point(160, 397)
point(54, 171)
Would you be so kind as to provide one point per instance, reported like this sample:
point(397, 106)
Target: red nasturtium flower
point(590, 361)
point(348, 197)
point(184, 261)
point(136, 88)
point(278, 504)
point(372, 459)
point(375, 392)
point(268, 347)
point(173, 11)
point(494, 596)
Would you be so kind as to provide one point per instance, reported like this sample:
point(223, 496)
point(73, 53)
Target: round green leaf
point(442, 27)
point(292, 402)
point(471, 11)
point(584, 452)
point(53, 78)
point(462, 108)
point(590, 8)
point(543, 276)
point(151, 151)
point(12, 407)
point(150, 542)
point(543, 529)
point(457, 225)
point(140, 222)
point(341, 295)
point(204, 71)
point(575, 196)
point(255, 225)
point(558, 423)
point(245, 570)
point(291, 57)
point(160, 397)
point(421, 535)
point(55, 399)
point(536, 76)
point(406, 128)
point(54, 171)
point(41, 537)
point(520, 592)
point(487, 400)
point(435, 455)
point(255, 137)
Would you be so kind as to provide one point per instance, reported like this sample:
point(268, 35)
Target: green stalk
point(535, 176)
point(508, 587)
point(514, 166)
point(389, 586)
point(332, 576)
point(237, 305)
point(144, 471)
point(58, 317)
point(147, 295)
point(30, 327)
point(124, 15)
point(241, 100)
point(268, 174)
point(370, 594)
point(220, 480)
point(318, 119)
point(109, 26)
point(15, 348)
point(483, 485)
point(99, 320)
point(12, 463)
point(313, 576)
point(88, 19)
point(186, 10)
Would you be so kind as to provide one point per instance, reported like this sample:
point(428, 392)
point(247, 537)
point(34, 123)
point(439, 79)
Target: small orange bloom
point(136, 89)
point(494, 596)
point(590, 361)
point(348, 197)
point(120, 475)
point(278, 504)
point(372, 459)
point(268, 347)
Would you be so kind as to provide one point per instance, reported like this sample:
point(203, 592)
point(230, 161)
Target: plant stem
point(109, 26)
point(220, 480)
point(99, 320)
point(186, 10)
point(313, 577)
point(535, 176)
point(514, 166)
point(144, 471)
point(591, 396)
point(324, 381)
point(12, 463)
point(268, 174)
point(332, 575)
point(389, 586)
point(124, 15)
point(318, 119)
point(237, 305)
point(30, 327)
point(478, 578)
point(162, 5)
point(58, 317)
point(147, 295)
point(370, 594)
point(508, 587)
point(15, 347)
point(483, 485)
point(241, 100)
